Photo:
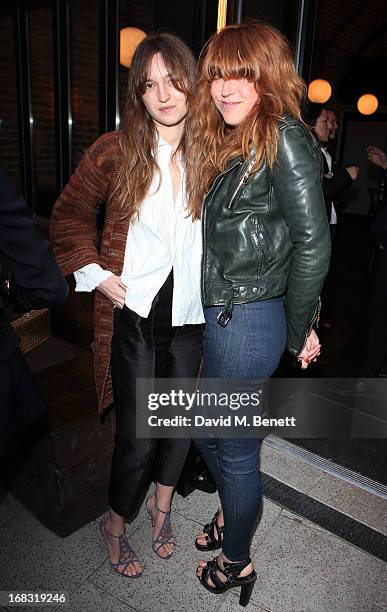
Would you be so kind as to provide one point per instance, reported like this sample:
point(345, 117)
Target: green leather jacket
point(267, 235)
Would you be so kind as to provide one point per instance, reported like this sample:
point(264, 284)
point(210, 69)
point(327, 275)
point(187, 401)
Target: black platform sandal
point(231, 571)
point(212, 543)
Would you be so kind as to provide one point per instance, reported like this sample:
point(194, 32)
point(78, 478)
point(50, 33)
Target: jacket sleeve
point(296, 181)
point(340, 179)
point(73, 226)
point(37, 281)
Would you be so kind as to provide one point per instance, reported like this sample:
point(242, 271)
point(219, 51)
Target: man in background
point(323, 123)
point(332, 124)
point(29, 279)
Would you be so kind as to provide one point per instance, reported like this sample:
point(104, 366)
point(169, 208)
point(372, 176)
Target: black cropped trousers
point(147, 348)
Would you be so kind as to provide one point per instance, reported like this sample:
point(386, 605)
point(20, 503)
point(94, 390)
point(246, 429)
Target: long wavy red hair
point(259, 53)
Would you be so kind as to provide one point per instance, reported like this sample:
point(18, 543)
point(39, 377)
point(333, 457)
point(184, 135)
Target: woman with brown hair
point(148, 314)
point(265, 254)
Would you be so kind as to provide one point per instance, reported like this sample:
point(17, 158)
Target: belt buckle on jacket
point(224, 317)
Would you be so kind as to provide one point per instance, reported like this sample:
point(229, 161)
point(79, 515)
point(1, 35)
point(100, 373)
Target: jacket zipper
point(315, 318)
point(204, 245)
point(242, 182)
point(264, 242)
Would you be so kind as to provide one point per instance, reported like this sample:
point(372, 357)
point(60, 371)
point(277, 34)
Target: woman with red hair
point(265, 254)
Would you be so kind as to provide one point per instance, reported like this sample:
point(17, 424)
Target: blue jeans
point(249, 347)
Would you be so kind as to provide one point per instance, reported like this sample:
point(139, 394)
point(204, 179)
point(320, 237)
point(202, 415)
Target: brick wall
point(84, 71)
point(84, 77)
point(9, 134)
point(43, 105)
point(85, 53)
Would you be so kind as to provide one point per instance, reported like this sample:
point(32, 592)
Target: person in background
point(146, 273)
point(335, 178)
point(266, 252)
point(29, 279)
point(376, 344)
point(377, 157)
point(332, 124)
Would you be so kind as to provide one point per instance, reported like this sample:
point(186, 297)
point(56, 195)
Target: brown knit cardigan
point(74, 240)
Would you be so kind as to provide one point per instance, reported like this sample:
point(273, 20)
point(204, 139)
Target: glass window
point(9, 131)
point(84, 71)
point(43, 103)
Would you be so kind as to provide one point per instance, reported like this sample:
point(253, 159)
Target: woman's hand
point(310, 351)
point(114, 289)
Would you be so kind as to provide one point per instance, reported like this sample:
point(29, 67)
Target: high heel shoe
point(231, 572)
point(165, 534)
point(127, 556)
point(209, 529)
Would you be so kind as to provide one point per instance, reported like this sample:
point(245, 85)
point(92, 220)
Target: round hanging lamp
point(319, 91)
point(367, 104)
point(130, 38)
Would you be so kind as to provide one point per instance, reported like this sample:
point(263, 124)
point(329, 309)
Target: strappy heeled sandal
point(165, 535)
point(212, 543)
point(231, 571)
point(127, 556)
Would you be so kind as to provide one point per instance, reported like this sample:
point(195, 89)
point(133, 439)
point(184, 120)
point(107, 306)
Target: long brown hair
point(137, 165)
point(259, 53)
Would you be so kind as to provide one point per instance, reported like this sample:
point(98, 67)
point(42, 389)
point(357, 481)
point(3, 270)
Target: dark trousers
point(147, 348)
point(249, 347)
point(376, 346)
point(328, 290)
point(20, 400)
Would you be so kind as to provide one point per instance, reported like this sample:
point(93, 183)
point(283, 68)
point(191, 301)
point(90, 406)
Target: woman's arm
point(297, 185)
point(73, 228)
point(93, 277)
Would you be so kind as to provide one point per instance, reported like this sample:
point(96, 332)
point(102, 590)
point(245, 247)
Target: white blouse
point(163, 237)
